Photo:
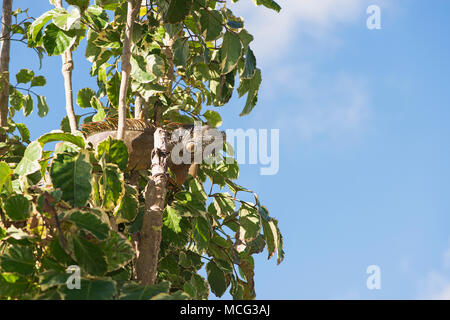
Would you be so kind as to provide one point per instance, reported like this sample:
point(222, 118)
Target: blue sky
point(363, 115)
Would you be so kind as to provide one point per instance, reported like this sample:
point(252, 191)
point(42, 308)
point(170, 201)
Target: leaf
point(178, 10)
point(181, 52)
point(134, 291)
point(17, 207)
point(24, 132)
point(250, 65)
point(252, 87)
point(118, 251)
point(224, 204)
point(67, 21)
point(271, 4)
point(30, 161)
point(38, 81)
point(5, 174)
point(82, 4)
point(211, 24)
point(114, 151)
point(101, 114)
point(12, 285)
point(89, 256)
point(18, 259)
point(230, 52)
point(213, 118)
point(60, 136)
point(84, 97)
point(27, 105)
point(40, 22)
point(91, 290)
point(201, 233)
point(216, 279)
point(42, 106)
point(72, 174)
point(24, 76)
point(250, 222)
point(138, 70)
point(111, 186)
point(112, 89)
point(89, 222)
point(127, 209)
point(172, 219)
point(56, 41)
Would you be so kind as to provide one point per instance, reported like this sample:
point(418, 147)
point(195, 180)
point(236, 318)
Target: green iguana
point(139, 137)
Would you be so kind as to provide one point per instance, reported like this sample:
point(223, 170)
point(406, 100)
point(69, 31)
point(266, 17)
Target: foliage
point(75, 205)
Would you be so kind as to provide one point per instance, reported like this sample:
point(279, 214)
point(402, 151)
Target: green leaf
point(138, 70)
point(89, 256)
point(72, 174)
point(84, 97)
point(27, 105)
point(172, 219)
point(113, 88)
point(38, 81)
point(271, 4)
point(42, 106)
point(224, 204)
point(230, 52)
point(211, 24)
point(56, 41)
point(250, 65)
point(114, 151)
point(213, 118)
point(216, 279)
point(5, 174)
point(82, 4)
point(24, 76)
point(91, 290)
point(118, 251)
point(18, 259)
point(17, 207)
point(127, 209)
point(178, 10)
point(24, 132)
point(181, 52)
point(134, 291)
point(250, 222)
point(101, 114)
point(111, 185)
point(60, 136)
point(252, 87)
point(202, 233)
point(30, 161)
point(12, 285)
point(67, 21)
point(89, 222)
point(40, 22)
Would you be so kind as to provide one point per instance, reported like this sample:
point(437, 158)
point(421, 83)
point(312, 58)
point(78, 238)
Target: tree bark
point(150, 236)
point(133, 10)
point(4, 64)
point(149, 241)
point(67, 68)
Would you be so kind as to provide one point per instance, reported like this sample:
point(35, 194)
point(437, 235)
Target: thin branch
point(133, 10)
point(4, 64)
point(67, 67)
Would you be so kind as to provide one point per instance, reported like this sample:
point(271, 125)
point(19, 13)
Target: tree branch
point(4, 64)
point(133, 10)
point(67, 68)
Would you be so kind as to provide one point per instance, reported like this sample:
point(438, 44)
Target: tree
point(164, 62)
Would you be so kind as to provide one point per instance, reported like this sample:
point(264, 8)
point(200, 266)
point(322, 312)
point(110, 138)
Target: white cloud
point(436, 285)
point(275, 32)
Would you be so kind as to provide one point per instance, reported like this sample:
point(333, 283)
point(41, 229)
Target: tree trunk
point(155, 195)
point(133, 10)
point(4, 64)
point(67, 67)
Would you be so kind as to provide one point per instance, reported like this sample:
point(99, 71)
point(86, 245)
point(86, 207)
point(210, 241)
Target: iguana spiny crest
point(139, 135)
